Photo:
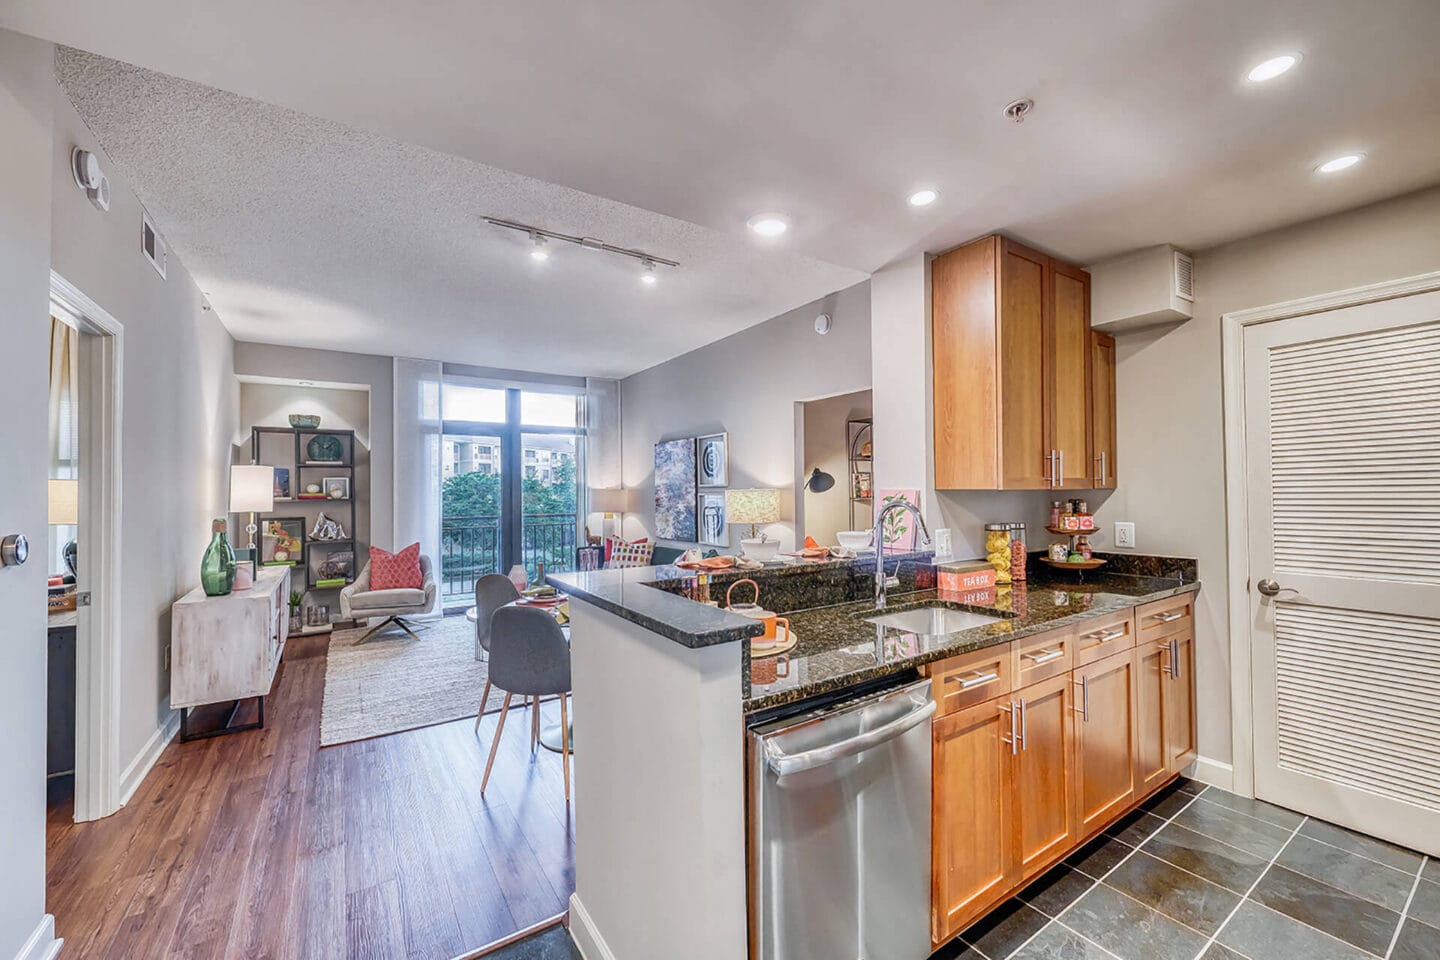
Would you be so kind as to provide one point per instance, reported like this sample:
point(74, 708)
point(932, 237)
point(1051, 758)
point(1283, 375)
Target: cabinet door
point(973, 860)
point(1023, 317)
point(1045, 774)
point(1102, 410)
point(1067, 374)
point(1180, 703)
point(1104, 740)
point(1152, 696)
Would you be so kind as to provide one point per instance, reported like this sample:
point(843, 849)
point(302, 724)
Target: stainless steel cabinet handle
point(785, 764)
point(1167, 653)
point(1024, 726)
point(975, 679)
point(1049, 468)
point(1084, 708)
point(1044, 656)
point(1013, 740)
point(1175, 658)
point(1166, 617)
point(1060, 473)
point(1105, 636)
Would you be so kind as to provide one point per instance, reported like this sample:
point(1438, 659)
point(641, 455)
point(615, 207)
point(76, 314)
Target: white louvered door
point(1342, 427)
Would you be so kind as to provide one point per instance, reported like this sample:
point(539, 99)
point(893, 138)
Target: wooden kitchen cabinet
point(1152, 705)
point(1044, 808)
point(1180, 718)
point(1105, 739)
point(1012, 354)
point(1102, 409)
point(972, 830)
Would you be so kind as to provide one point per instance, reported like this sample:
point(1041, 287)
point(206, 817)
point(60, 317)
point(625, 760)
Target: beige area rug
point(391, 683)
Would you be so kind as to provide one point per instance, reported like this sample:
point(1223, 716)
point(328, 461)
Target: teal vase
point(217, 568)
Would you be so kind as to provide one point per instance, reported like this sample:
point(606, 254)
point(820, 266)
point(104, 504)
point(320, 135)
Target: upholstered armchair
point(358, 601)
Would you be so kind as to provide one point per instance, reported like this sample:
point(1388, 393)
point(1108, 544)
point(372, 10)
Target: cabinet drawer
point(972, 678)
point(1103, 636)
point(1043, 656)
point(1164, 618)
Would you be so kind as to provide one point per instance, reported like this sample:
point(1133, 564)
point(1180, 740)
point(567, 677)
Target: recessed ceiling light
point(768, 224)
point(538, 252)
point(1340, 163)
point(923, 198)
point(1272, 68)
point(647, 275)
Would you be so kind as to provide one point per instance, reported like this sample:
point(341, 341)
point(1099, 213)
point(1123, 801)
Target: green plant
point(295, 598)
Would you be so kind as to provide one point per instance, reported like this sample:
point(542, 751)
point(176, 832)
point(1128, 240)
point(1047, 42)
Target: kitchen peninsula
point(664, 690)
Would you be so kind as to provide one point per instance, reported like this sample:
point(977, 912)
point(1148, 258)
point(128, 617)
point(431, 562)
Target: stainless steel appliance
point(840, 829)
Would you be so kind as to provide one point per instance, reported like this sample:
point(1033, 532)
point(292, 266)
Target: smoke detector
point(1018, 110)
point(822, 324)
point(85, 167)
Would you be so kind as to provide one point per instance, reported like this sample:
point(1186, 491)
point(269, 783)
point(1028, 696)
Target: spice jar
point(1017, 552)
point(1055, 512)
point(997, 550)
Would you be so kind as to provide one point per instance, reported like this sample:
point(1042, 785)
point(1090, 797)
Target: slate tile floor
point(1201, 874)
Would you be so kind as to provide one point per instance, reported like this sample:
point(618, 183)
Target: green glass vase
point(217, 568)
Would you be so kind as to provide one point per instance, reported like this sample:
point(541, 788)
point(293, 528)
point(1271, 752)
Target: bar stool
point(529, 657)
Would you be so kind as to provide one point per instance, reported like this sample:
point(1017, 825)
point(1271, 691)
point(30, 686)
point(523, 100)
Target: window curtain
point(602, 443)
point(64, 419)
point(418, 425)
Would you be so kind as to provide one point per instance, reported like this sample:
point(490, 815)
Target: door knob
point(14, 550)
point(1267, 587)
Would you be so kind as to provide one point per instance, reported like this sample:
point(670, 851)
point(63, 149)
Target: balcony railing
point(470, 548)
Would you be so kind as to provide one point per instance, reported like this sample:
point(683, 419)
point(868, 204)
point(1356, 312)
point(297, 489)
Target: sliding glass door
point(510, 466)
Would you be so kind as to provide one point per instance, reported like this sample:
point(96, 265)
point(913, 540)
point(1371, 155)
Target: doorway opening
point(87, 349)
point(834, 453)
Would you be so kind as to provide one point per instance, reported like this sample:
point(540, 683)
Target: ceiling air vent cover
point(1184, 276)
point(152, 245)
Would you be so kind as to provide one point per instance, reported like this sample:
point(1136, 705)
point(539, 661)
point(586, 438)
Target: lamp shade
point(252, 488)
point(609, 500)
point(819, 481)
point(64, 501)
point(752, 506)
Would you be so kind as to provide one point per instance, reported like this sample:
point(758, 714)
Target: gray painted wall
point(746, 384)
point(181, 406)
point(334, 367)
point(1168, 381)
point(25, 175)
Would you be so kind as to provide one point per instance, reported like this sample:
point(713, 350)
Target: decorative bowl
point(762, 550)
point(854, 539)
point(304, 421)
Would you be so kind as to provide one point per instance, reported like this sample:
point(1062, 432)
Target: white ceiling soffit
point(306, 232)
point(1144, 132)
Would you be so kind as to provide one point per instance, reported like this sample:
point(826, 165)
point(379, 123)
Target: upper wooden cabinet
point(1102, 408)
point(1014, 397)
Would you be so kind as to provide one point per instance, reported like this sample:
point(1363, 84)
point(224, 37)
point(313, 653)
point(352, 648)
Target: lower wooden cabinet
point(1044, 814)
point(1180, 717)
point(1152, 681)
point(1105, 740)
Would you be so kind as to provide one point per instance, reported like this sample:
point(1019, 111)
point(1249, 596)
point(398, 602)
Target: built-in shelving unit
point(859, 434)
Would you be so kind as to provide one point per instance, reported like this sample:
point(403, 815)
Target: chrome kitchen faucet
point(883, 582)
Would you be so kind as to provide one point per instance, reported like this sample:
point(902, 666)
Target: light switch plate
point(1125, 535)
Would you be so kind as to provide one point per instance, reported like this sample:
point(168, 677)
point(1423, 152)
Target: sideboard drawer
point(972, 678)
point(1165, 618)
point(1043, 656)
point(1100, 637)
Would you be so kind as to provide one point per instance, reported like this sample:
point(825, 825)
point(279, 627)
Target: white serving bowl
point(854, 539)
point(762, 550)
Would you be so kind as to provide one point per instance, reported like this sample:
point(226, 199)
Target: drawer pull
point(1166, 617)
point(975, 679)
point(1105, 636)
point(1084, 708)
point(1044, 656)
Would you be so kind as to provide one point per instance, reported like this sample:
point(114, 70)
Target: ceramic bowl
point(854, 539)
point(762, 550)
point(304, 421)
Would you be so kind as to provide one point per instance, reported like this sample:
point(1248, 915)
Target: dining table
point(549, 732)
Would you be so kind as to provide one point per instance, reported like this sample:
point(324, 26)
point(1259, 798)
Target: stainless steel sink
point(933, 621)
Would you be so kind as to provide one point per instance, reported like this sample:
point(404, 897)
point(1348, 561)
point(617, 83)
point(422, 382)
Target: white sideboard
point(228, 648)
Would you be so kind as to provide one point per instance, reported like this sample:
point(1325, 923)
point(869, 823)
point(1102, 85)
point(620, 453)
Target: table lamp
point(64, 497)
point(610, 501)
point(755, 507)
point(252, 491)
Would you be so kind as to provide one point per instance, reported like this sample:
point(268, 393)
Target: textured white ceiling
point(306, 232)
point(833, 110)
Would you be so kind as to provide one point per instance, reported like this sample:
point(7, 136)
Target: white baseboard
point(592, 946)
point(42, 944)
point(139, 768)
point(1216, 773)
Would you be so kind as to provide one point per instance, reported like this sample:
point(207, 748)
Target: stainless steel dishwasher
point(840, 829)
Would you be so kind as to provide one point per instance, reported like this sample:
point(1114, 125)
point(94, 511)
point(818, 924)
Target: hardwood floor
point(262, 845)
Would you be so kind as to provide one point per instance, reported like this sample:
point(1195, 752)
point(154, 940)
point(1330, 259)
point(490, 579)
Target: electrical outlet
point(1125, 535)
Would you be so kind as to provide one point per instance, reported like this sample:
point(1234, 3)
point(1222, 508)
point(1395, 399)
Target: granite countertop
point(839, 648)
point(631, 593)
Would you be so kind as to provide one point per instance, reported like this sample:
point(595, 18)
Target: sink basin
point(933, 621)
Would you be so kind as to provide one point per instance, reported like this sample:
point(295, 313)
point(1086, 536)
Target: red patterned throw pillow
point(396, 571)
point(636, 554)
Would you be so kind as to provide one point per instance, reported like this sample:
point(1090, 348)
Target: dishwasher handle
point(784, 764)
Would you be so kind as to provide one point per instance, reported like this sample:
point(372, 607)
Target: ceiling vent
point(151, 245)
point(1142, 289)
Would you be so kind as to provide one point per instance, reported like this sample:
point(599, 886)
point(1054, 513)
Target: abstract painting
point(675, 490)
point(714, 460)
point(713, 531)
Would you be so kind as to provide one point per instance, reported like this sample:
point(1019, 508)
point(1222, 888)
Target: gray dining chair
point(529, 657)
point(492, 592)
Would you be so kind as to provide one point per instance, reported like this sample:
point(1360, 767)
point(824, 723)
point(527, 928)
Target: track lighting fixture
point(647, 274)
point(538, 252)
point(540, 237)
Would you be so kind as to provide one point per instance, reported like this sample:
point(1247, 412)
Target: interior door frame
point(1237, 567)
point(97, 649)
